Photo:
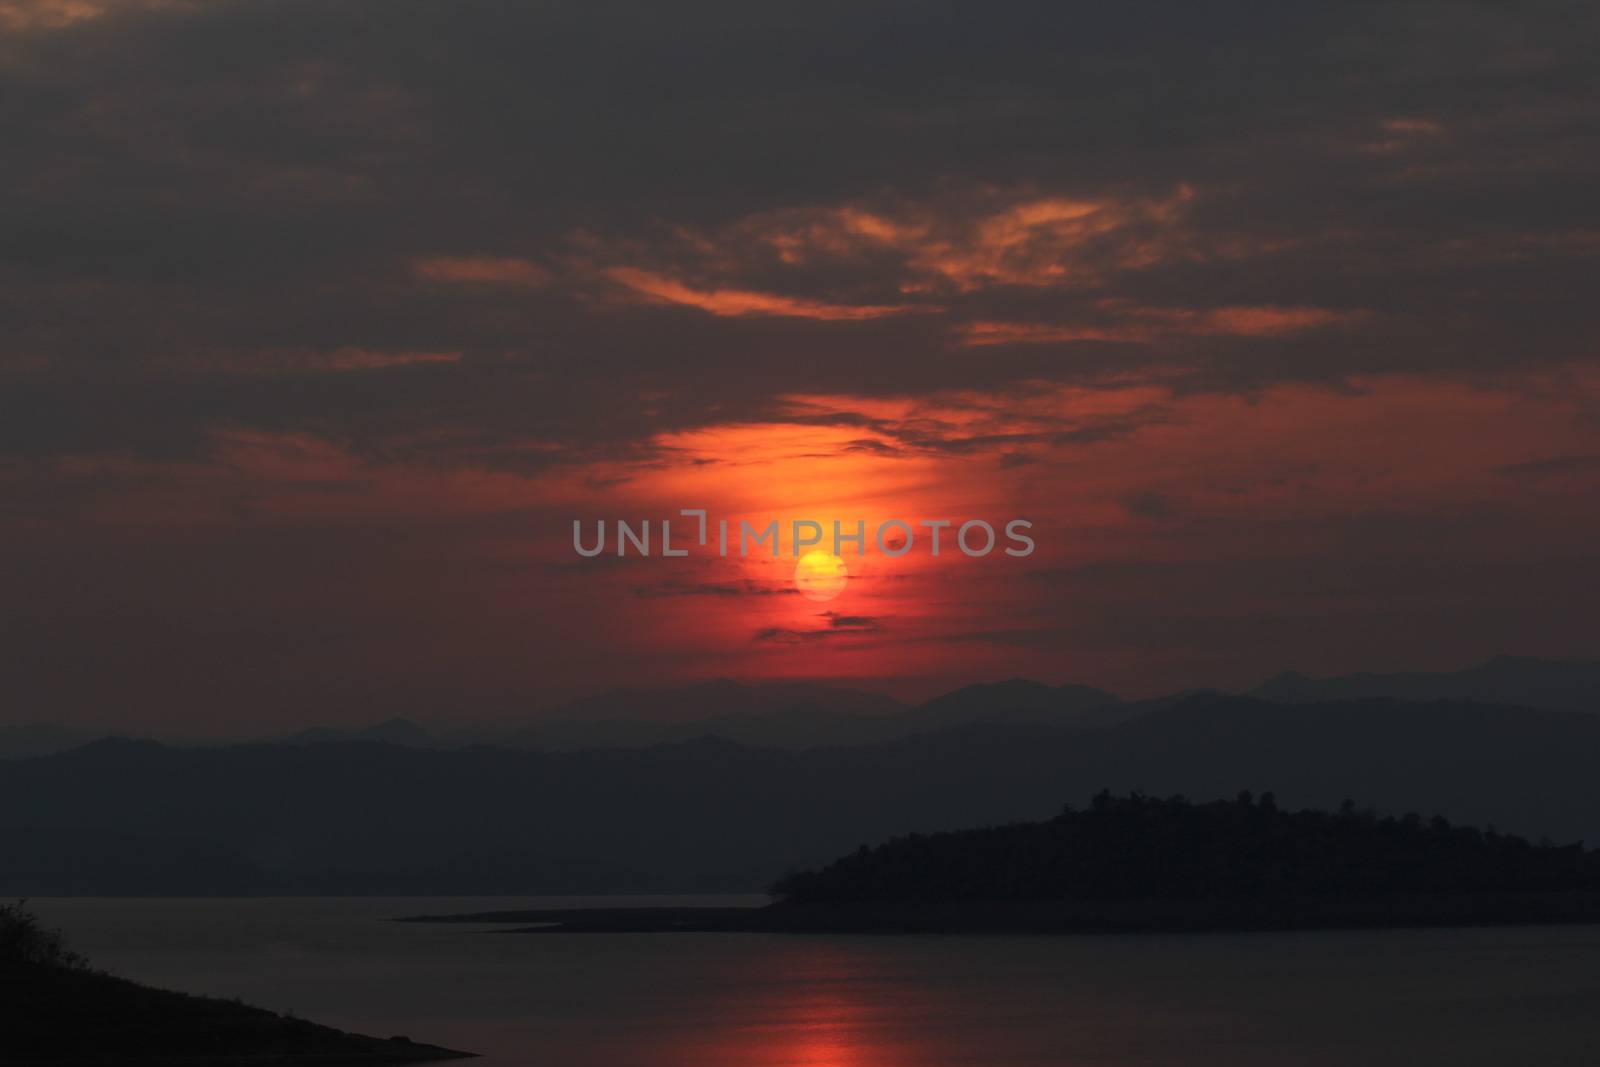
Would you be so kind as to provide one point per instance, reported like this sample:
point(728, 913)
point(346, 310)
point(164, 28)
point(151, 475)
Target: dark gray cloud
point(836, 625)
point(744, 587)
point(1554, 465)
point(194, 192)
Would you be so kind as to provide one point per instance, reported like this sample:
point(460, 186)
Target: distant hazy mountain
point(708, 700)
point(1017, 701)
point(130, 817)
point(779, 714)
point(38, 739)
point(392, 731)
point(1505, 680)
point(798, 715)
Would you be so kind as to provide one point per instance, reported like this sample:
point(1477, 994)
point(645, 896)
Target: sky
point(324, 321)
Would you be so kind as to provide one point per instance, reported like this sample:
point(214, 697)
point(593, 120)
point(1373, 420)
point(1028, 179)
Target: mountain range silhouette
point(706, 812)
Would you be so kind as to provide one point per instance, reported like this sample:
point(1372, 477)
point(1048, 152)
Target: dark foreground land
point(1136, 863)
point(55, 1010)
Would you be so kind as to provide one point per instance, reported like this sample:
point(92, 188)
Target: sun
point(820, 575)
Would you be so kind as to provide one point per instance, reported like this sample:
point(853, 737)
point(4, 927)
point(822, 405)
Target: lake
point(1509, 997)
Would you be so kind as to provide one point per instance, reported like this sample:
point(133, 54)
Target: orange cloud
point(1053, 242)
point(1144, 324)
point(739, 302)
point(1010, 333)
point(22, 15)
point(802, 235)
point(1268, 320)
point(52, 14)
point(920, 256)
point(980, 241)
point(1412, 126)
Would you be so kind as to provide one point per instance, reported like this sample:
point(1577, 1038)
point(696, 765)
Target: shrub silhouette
point(24, 942)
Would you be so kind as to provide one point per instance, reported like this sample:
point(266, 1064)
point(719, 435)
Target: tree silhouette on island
point(1131, 863)
point(1135, 847)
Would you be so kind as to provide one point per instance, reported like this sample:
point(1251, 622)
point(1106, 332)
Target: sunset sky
point(1277, 321)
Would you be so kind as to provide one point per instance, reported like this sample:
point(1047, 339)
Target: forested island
point(1129, 863)
point(55, 1009)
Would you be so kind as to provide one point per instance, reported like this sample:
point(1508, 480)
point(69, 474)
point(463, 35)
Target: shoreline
point(1375, 912)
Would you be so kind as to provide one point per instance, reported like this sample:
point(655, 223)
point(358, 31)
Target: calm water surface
point(1520, 997)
